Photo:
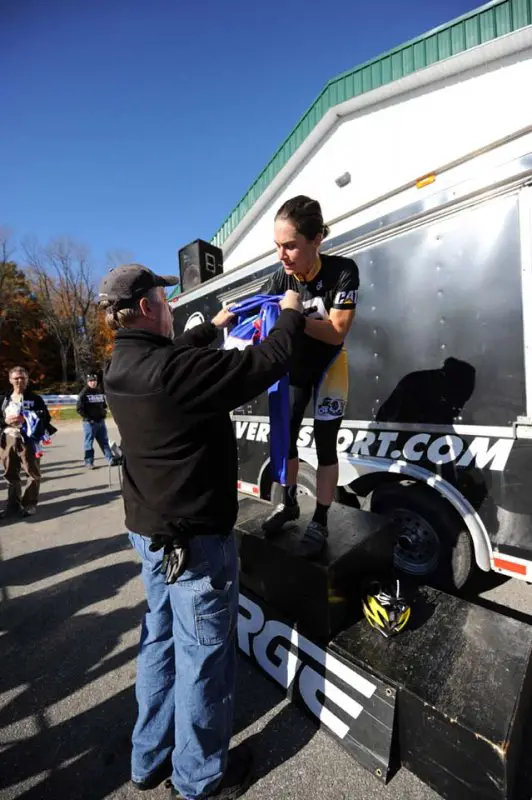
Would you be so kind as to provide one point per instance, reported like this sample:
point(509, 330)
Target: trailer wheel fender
point(352, 468)
point(434, 543)
point(269, 489)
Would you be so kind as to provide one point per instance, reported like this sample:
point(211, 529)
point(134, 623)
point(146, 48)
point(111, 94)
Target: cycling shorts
point(330, 397)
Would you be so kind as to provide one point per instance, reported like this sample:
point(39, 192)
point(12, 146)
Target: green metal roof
point(479, 26)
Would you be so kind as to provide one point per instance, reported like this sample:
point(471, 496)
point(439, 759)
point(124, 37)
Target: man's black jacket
point(171, 402)
point(91, 404)
point(32, 402)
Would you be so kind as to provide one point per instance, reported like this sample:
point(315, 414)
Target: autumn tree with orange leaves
point(49, 321)
point(23, 336)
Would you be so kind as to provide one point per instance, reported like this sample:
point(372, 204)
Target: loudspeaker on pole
point(199, 261)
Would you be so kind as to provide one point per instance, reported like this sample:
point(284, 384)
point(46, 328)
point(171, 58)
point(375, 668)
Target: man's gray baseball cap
point(124, 285)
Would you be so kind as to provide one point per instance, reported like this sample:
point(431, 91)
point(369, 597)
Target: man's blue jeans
point(98, 431)
point(186, 665)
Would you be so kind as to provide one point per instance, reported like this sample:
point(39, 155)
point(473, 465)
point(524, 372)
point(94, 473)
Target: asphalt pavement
point(71, 601)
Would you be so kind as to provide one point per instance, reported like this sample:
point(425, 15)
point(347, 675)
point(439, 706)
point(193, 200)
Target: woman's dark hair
point(305, 215)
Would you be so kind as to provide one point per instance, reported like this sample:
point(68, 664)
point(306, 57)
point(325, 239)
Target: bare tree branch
point(117, 256)
point(62, 280)
point(6, 252)
point(7, 248)
point(7, 270)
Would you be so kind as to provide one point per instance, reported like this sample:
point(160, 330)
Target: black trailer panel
point(437, 367)
point(447, 289)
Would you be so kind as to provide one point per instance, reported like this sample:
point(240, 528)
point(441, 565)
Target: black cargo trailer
point(437, 432)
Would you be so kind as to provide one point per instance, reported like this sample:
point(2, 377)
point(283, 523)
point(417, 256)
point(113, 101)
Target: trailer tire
point(306, 480)
point(306, 484)
point(434, 546)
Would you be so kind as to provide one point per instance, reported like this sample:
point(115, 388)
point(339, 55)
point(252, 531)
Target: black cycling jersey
point(335, 285)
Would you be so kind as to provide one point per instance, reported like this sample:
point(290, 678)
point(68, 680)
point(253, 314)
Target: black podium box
point(353, 706)
point(463, 681)
point(320, 597)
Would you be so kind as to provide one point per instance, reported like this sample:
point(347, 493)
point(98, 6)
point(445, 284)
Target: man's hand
point(291, 300)
point(223, 318)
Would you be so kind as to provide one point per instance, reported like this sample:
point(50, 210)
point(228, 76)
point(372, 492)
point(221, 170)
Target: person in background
point(328, 287)
point(24, 421)
point(92, 408)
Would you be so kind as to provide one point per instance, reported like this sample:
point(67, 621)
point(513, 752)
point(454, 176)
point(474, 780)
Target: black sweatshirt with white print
point(91, 404)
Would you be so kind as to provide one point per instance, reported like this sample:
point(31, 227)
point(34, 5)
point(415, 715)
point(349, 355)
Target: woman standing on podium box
point(328, 286)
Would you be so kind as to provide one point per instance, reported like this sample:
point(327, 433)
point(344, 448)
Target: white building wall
point(389, 145)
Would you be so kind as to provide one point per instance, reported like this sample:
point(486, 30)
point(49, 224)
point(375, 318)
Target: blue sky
point(139, 124)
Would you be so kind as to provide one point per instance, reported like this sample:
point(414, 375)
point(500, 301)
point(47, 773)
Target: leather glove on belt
point(175, 557)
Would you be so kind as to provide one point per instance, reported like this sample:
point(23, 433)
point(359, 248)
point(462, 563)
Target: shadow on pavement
point(87, 500)
point(95, 742)
point(288, 732)
point(97, 745)
point(59, 466)
point(51, 651)
point(74, 465)
point(33, 567)
point(48, 475)
point(46, 496)
point(483, 582)
point(280, 740)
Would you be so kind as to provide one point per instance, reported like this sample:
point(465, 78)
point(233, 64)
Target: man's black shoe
point(158, 776)
point(237, 777)
point(11, 510)
point(28, 511)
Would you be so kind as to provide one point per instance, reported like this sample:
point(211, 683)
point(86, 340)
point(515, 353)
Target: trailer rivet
point(389, 692)
point(378, 772)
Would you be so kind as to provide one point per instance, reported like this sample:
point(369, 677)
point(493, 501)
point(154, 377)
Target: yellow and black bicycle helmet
point(385, 608)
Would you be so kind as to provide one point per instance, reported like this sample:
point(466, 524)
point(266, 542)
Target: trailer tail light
point(426, 180)
point(248, 488)
point(510, 566)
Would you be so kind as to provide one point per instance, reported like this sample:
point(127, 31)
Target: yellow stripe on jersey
point(309, 276)
point(330, 397)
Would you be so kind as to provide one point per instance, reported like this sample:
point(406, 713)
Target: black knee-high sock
point(320, 514)
point(290, 495)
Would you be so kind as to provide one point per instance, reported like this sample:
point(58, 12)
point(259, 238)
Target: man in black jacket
point(92, 408)
point(24, 421)
point(171, 401)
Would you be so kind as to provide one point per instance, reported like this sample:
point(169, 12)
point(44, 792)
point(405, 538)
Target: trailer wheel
point(306, 480)
point(306, 485)
point(433, 543)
